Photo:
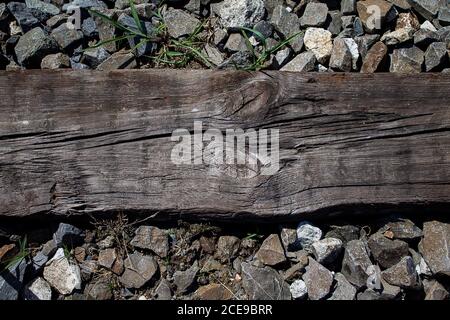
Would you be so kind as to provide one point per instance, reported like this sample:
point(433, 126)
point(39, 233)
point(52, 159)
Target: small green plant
point(172, 52)
point(22, 254)
point(67, 252)
point(260, 58)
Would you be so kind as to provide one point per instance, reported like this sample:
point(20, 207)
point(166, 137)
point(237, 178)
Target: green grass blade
point(135, 15)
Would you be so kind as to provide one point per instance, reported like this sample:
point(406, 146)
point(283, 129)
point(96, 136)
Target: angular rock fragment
point(318, 280)
point(344, 233)
point(62, 274)
point(118, 60)
point(424, 37)
point(288, 24)
point(436, 291)
point(341, 57)
point(327, 250)
point(307, 234)
point(426, 8)
point(304, 61)
point(271, 251)
point(344, 290)
point(163, 291)
point(435, 246)
point(385, 251)
point(355, 263)
point(403, 274)
point(436, 56)
point(38, 289)
point(11, 280)
point(239, 13)
point(184, 280)
point(180, 23)
point(318, 41)
point(55, 61)
point(152, 238)
point(407, 60)
point(33, 46)
point(374, 58)
point(227, 248)
point(315, 15)
point(213, 291)
point(264, 283)
point(139, 270)
point(374, 14)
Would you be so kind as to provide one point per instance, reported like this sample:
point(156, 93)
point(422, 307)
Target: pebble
point(213, 291)
point(227, 248)
point(436, 56)
point(68, 235)
point(11, 280)
point(374, 58)
point(315, 15)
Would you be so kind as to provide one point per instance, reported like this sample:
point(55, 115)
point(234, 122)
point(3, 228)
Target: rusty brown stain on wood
point(89, 142)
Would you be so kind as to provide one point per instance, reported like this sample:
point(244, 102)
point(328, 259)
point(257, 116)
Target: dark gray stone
point(444, 16)
point(239, 59)
point(43, 6)
point(163, 291)
point(365, 43)
point(436, 57)
point(11, 280)
point(343, 290)
point(327, 251)
point(66, 37)
point(403, 274)
point(264, 283)
point(68, 235)
point(152, 238)
point(265, 28)
point(355, 263)
point(348, 6)
point(385, 251)
point(287, 24)
point(341, 57)
point(180, 23)
point(407, 60)
point(89, 28)
point(185, 280)
point(33, 46)
point(335, 25)
point(427, 8)
point(315, 15)
point(271, 252)
point(424, 37)
point(23, 15)
point(289, 235)
point(227, 248)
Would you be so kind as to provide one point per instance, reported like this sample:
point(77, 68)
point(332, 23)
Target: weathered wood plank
point(89, 142)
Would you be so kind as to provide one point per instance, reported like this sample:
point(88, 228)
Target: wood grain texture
point(89, 142)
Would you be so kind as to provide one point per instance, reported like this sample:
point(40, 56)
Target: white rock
point(353, 47)
point(298, 289)
point(307, 234)
point(327, 250)
point(427, 25)
point(239, 13)
point(422, 268)
point(318, 40)
point(61, 274)
point(39, 289)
